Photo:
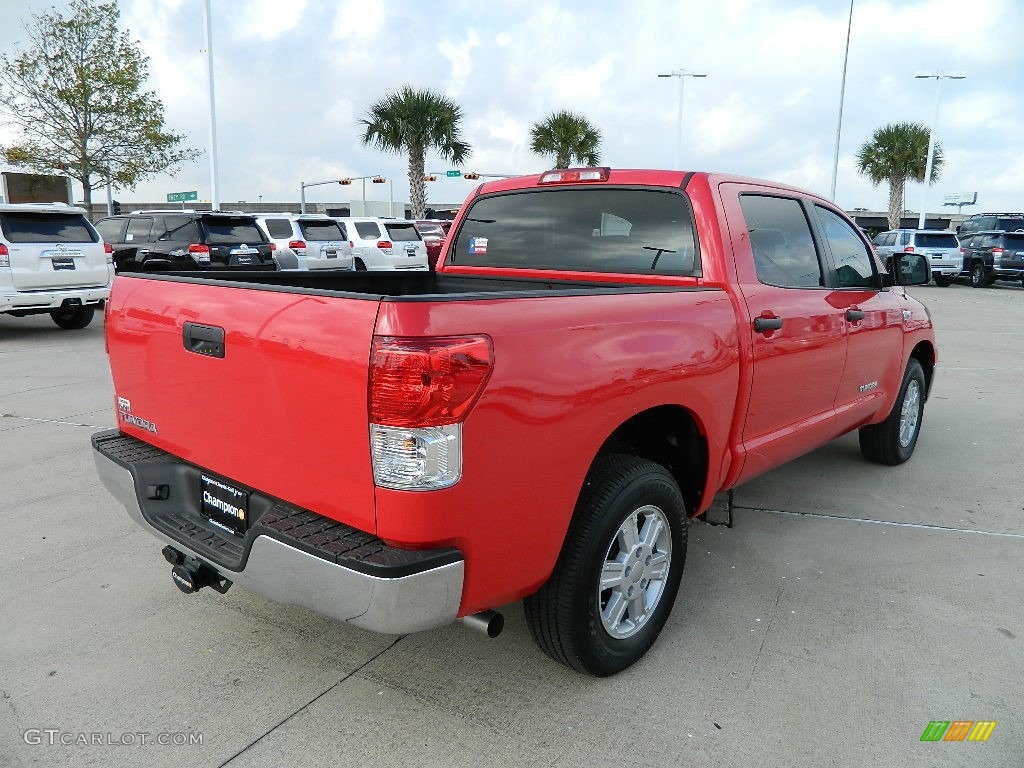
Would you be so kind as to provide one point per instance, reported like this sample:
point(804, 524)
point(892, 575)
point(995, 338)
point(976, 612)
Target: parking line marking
point(924, 526)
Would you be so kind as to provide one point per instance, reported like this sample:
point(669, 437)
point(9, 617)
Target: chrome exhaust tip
point(489, 622)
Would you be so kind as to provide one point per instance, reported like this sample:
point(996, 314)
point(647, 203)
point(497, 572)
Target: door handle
point(206, 340)
point(854, 315)
point(765, 324)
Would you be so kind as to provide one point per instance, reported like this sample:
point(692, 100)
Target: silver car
point(306, 241)
point(941, 246)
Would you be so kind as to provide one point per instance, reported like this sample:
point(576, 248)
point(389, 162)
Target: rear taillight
point(5, 256)
point(575, 175)
point(200, 252)
point(421, 389)
point(427, 382)
point(273, 247)
point(384, 245)
point(297, 245)
point(997, 253)
point(908, 249)
point(109, 250)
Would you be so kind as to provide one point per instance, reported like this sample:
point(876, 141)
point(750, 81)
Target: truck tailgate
point(265, 388)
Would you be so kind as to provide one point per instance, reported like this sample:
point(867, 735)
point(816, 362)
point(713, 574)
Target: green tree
point(897, 152)
point(566, 137)
point(410, 121)
point(75, 97)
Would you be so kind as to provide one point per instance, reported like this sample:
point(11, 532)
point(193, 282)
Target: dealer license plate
point(63, 263)
point(224, 505)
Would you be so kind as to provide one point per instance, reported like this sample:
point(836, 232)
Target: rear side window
point(279, 228)
point(780, 238)
point(629, 231)
point(229, 230)
point(935, 240)
point(367, 230)
point(179, 228)
point(402, 232)
point(46, 228)
point(111, 230)
point(139, 229)
point(321, 230)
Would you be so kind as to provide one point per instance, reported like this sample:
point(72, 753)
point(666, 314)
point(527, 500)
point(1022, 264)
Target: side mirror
point(909, 269)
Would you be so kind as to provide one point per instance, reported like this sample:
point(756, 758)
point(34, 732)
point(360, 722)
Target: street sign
point(454, 174)
point(182, 197)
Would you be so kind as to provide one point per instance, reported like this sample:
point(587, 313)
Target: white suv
point(52, 261)
point(306, 241)
point(940, 246)
point(385, 244)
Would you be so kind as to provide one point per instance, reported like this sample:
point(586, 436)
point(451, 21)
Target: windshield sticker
point(478, 245)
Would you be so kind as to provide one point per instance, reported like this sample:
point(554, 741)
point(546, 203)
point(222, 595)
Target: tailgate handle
point(207, 340)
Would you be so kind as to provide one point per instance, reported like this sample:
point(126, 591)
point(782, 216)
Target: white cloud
point(460, 56)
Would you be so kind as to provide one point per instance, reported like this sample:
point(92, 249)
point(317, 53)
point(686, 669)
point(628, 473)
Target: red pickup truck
point(600, 353)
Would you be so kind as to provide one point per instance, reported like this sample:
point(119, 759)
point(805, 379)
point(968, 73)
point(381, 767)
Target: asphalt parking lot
point(848, 607)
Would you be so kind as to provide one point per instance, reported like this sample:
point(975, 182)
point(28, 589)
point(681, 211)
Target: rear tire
point(73, 319)
point(978, 279)
point(943, 281)
point(893, 441)
point(619, 570)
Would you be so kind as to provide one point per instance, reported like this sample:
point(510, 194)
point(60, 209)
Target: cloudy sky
point(293, 78)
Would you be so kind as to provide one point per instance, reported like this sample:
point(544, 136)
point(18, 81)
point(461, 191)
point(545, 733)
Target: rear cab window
point(607, 230)
point(45, 227)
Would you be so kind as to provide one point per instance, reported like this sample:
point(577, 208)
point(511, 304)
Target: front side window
point(596, 229)
point(853, 263)
point(781, 241)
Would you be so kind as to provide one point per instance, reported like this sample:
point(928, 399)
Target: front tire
point(73, 319)
point(893, 441)
point(618, 574)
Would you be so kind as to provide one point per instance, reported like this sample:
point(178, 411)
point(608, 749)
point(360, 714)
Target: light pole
point(842, 96)
point(682, 74)
point(376, 179)
point(938, 77)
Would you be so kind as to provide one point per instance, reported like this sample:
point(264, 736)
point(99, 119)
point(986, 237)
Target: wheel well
point(924, 353)
point(667, 435)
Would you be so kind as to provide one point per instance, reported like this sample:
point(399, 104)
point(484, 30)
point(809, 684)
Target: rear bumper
point(289, 555)
point(12, 300)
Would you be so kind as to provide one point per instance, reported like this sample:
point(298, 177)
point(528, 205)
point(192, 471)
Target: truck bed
point(404, 286)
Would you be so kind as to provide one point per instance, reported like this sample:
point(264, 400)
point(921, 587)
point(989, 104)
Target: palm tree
point(567, 137)
point(414, 121)
point(897, 152)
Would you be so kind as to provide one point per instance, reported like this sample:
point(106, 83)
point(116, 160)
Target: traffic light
point(378, 180)
point(344, 181)
point(115, 207)
point(471, 176)
point(430, 178)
